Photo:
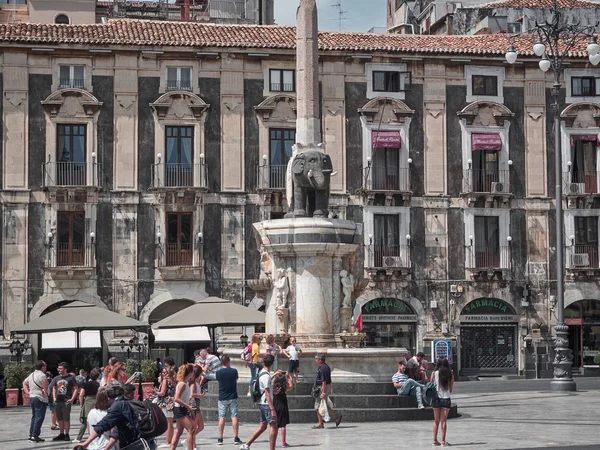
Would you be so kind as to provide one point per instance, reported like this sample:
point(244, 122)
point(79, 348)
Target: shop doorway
point(583, 319)
point(488, 338)
point(389, 322)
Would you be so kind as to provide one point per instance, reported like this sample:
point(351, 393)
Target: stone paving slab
point(493, 420)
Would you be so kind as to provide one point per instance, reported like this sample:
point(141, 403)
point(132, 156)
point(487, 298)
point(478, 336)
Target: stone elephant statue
point(307, 184)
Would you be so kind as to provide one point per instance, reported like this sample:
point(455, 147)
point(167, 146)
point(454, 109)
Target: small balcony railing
point(179, 254)
point(271, 177)
point(486, 181)
point(282, 87)
point(579, 183)
point(74, 255)
point(71, 83)
point(179, 175)
point(583, 257)
point(179, 85)
point(387, 179)
point(486, 257)
point(56, 174)
point(387, 256)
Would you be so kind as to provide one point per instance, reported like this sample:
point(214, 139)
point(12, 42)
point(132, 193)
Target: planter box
point(12, 397)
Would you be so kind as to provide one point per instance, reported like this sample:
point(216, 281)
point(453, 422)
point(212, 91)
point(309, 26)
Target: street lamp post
point(18, 348)
point(555, 40)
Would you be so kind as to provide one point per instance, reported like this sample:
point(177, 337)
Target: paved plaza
point(526, 417)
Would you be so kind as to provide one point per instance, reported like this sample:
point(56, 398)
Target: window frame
point(74, 257)
point(493, 71)
point(178, 79)
point(485, 77)
point(281, 79)
point(595, 84)
point(71, 80)
point(401, 88)
point(68, 22)
point(179, 260)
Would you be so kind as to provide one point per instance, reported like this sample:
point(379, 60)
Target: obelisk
point(308, 123)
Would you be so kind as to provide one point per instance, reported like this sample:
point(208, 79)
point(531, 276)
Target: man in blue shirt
point(228, 398)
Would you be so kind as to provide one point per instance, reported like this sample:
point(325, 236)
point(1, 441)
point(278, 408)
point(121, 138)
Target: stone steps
point(357, 402)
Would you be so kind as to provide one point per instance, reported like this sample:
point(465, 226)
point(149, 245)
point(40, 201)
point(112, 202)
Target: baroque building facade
point(136, 157)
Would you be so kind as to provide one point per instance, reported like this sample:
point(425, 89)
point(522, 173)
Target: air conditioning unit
point(392, 261)
point(577, 188)
point(499, 188)
point(580, 260)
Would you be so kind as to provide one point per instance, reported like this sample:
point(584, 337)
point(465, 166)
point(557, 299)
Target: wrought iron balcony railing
point(271, 177)
point(179, 254)
point(387, 179)
point(387, 256)
point(580, 183)
point(75, 255)
point(71, 83)
point(57, 174)
point(486, 257)
point(486, 181)
point(179, 175)
point(179, 85)
point(583, 257)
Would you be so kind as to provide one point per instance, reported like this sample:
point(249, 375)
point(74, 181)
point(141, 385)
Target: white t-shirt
point(292, 350)
point(264, 379)
point(442, 393)
point(185, 394)
point(35, 381)
point(95, 416)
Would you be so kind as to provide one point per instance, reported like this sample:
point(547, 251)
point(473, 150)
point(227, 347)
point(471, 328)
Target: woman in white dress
point(96, 415)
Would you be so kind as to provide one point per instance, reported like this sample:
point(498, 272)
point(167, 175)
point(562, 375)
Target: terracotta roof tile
point(187, 34)
point(539, 4)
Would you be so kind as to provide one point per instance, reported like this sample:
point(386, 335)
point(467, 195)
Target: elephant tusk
point(310, 174)
point(333, 174)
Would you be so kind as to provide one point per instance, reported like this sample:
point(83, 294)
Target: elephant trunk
point(316, 179)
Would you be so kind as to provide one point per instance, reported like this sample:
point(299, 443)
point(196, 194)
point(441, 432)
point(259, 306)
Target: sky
point(361, 15)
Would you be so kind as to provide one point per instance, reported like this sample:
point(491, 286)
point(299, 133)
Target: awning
point(386, 139)
point(585, 137)
point(193, 334)
point(68, 339)
point(480, 141)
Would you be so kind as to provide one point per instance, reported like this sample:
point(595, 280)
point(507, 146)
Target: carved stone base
point(316, 341)
point(283, 319)
point(563, 360)
point(352, 340)
point(345, 319)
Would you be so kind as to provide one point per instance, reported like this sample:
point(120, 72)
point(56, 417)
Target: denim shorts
point(231, 405)
point(265, 414)
point(443, 403)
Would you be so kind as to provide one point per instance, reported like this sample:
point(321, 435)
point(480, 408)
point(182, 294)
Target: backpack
point(430, 393)
point(149, 418)
point(246, 354)
point(256, 392)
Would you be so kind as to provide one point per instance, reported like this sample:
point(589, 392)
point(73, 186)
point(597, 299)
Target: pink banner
point(386, 139)
point(481, 141)
point(584, 137)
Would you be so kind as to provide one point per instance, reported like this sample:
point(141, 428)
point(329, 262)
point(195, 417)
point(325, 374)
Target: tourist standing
point(282, 383)
point(323, 383)
point(254, 359)
point(166, 396)
point(182, 407)
point(87, 400)
point(292, 351)
point(196, 394)
point(64, 393)
point(96, 414)
point(443, 379)
point(407, 386)
point(268, 416)
point(228, 399)
point(36, 387)
point(273, 349)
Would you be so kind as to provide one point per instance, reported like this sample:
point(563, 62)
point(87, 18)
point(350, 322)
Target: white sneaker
point(165, 445)
point(244, 447)
point(421, 407)
point(248, 394)
point(76, 441)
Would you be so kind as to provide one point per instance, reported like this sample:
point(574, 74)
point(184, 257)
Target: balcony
point(179, 254)
point(387, 181)
point(282, 87)
point(488, 262)
point(165, 175)
point(66, 260)
point(494, 182)
point(70, 174)
point(176, 261)
point(71, 83)
point(271, 177)
point(583, 257)
point(387, 257)
point(580, 184)
point(179, 85)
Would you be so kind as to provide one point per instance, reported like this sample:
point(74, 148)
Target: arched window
point(62, 19)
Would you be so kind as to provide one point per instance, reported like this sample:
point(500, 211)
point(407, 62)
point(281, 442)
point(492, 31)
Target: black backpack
point(256, 392)
point(149, 418)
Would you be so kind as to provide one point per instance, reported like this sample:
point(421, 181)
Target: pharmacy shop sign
point(388, 310)
point(488, 310)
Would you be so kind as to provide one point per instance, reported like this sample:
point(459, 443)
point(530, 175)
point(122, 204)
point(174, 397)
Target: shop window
point(179, 168)
point(179, 251)
point(281, 142)
point(585, 253)
point(70, 239)
point(179, 78)
point(485, 85)
point(487, 242)
point(72, 77)
point(583, 318)
point(282, 80)
point(391, 81)
point(585, 86)
point(71, 155)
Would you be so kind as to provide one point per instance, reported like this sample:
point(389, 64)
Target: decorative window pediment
point(582, 115)
point(386, 110)
point(71, 102)
point(278, 107)
point(179, 105)
point(485, 114)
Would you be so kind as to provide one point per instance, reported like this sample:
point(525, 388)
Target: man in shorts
point(267, 410)
point(64, 393)
point(228, 398)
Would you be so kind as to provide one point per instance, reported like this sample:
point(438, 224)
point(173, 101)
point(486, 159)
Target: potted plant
point(12, 375)
point(148, 377)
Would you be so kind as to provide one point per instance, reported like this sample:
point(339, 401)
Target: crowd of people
point(103, 394)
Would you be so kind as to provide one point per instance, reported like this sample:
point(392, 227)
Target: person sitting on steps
point(407, 386)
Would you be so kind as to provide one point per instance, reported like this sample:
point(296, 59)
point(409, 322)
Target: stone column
point(337, 293)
